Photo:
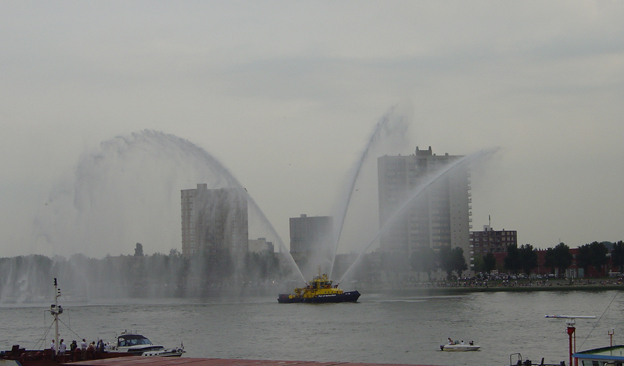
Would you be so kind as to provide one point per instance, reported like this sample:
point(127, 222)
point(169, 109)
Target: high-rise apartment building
point(214, 222)
point(309, 236)
point(438, 216)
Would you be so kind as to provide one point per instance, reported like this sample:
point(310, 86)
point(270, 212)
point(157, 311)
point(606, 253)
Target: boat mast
point(55, 309)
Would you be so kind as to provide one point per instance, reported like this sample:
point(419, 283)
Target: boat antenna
point(571, 320)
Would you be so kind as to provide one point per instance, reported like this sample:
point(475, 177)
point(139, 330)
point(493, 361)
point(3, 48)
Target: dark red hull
point(45, 357)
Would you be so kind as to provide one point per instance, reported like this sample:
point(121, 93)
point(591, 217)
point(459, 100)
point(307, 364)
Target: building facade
point(260, 245)
point(422, 207)
point(492, 241)
point(310, 237)
point(214, 222)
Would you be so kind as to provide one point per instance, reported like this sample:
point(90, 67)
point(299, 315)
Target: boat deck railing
point(519, 362)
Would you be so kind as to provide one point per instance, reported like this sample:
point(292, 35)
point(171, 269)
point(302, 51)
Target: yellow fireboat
point(319, 290)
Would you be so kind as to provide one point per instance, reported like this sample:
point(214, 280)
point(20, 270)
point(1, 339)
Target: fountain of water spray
point(389, 124)
point(129, 191)
point(83, 211)
point(415, 193)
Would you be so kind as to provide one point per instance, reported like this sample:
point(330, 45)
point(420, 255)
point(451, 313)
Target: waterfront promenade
point(505, 285)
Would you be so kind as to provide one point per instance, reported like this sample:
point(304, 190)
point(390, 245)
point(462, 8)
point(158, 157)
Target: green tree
point(452, 260)
point(562, 258)
point(594, 254)
point(583, 259)
point(459, 262)
point(489, 262)
point(445, 258)
point(617, 255)
point(423, 260)
point(599, 255)
point(138, 250)
point(528, 258)
point(549, 260)
point(479, 264)
point(512, 259)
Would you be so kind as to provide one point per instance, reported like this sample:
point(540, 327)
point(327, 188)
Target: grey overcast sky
point(285, 94)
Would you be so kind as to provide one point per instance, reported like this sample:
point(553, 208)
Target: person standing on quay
point(83, 348)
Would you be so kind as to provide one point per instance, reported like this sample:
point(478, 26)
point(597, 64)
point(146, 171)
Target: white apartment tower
point(439, 216)
point(214, 221)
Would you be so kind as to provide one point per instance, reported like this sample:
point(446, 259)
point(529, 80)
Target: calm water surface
point(395, 328)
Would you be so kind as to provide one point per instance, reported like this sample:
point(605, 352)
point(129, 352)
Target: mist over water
point(127, 191)
point(413, 195)
point(355, 212)
point(389, 133)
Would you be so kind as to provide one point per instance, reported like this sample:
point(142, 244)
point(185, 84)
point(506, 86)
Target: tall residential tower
point(439, 216)
point(310, 242)
point(214, 222)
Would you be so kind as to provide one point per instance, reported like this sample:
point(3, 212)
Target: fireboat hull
point(349, 296)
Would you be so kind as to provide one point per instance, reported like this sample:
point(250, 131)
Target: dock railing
point(517, 361)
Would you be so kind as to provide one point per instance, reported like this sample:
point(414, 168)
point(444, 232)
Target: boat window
point(143, 341)
point(133, 340)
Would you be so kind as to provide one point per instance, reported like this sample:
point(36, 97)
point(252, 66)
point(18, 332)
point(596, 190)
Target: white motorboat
point(139, 345)
point(459, 347)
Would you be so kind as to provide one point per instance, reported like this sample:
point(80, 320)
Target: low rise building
point(260, 245)
point(491, 241)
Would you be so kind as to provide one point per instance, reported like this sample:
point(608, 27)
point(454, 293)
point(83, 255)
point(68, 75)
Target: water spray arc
point(233, 182)
point(117, 177)
point(128, 188)
point(350, 187)
point(413, 195)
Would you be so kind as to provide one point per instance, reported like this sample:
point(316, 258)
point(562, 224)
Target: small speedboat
point(459, 347)
point(139, 345)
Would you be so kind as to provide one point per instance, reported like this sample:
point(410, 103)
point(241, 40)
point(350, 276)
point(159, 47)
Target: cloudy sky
point(286, 94)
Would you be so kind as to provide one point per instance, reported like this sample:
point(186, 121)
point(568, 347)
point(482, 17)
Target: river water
point(404, 327)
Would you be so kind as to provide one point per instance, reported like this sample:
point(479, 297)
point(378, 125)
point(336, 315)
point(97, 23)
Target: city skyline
point(286, 95)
